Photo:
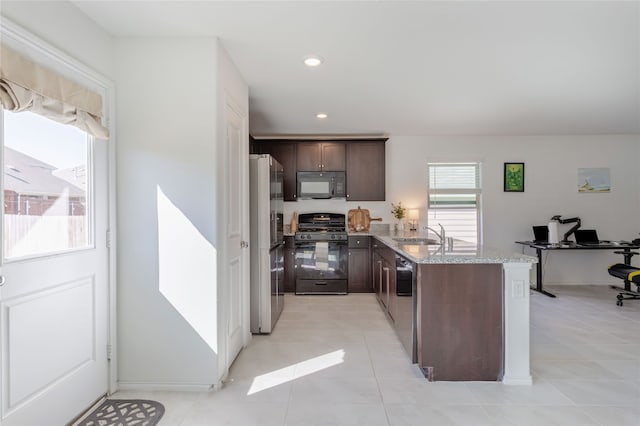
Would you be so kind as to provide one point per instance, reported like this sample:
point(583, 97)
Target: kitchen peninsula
point(470, 306)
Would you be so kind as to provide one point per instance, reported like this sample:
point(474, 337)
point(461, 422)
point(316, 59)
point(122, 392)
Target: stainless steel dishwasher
point(405, 321)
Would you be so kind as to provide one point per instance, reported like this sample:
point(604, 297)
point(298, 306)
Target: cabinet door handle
point(387, 282)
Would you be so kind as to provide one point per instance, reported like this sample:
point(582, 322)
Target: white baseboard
point(171, 387)
point(519, 381)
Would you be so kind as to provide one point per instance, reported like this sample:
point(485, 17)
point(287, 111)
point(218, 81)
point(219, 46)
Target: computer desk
point(624, 248)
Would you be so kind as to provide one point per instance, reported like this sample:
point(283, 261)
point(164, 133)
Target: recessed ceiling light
point(321, 115)
point(313, 61)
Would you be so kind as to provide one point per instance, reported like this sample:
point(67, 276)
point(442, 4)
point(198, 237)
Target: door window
point(46, 181)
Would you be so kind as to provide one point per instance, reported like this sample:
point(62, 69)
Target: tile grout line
point(375, 376)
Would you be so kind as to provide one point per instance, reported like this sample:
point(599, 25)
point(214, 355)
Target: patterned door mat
point(124, 412)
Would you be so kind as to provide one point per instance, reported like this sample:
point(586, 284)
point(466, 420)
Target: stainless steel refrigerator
point(267, 240)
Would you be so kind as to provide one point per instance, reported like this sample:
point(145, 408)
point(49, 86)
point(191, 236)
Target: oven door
point(321, 267)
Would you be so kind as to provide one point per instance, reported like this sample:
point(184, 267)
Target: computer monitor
point(541, 234)
point(586, 236)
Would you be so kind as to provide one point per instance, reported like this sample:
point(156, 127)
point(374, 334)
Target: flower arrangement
point(398, 211)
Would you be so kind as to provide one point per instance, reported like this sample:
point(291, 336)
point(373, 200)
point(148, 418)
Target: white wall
point(551, 164)
point(64, 26)
point(167, 211)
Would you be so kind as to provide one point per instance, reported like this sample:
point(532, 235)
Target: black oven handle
point(312, 244)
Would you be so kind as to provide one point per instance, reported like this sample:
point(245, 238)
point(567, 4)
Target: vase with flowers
point(399, 213)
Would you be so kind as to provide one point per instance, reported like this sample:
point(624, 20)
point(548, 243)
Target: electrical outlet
point(517, 289)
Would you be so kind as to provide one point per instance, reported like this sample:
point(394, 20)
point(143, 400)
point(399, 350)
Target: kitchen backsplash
point(376, 208)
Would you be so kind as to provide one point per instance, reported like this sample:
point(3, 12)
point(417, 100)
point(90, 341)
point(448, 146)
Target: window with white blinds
point(454, 199)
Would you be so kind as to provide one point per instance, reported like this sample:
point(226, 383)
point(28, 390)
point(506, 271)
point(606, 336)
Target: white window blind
point(454, 176)
point(454, 199)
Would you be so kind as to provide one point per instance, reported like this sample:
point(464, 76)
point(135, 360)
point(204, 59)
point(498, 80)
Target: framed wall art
point(513, 177)
point(594, 180)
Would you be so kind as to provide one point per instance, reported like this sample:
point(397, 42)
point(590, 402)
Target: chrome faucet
point(440, 235)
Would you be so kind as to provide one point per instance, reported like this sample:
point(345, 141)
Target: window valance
point(27, 86)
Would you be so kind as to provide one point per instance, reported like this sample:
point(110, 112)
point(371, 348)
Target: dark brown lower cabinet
point(289, 264)
point(384, 278)
point(359, 272)
point(460, 321)
point(359, 264)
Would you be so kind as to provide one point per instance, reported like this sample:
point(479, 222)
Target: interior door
point(237, 194)
point(53, 303)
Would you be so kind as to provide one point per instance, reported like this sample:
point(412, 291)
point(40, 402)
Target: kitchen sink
point(417, 241)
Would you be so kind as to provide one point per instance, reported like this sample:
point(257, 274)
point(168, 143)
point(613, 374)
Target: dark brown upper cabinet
point(321, 156)
point(366, 171)
point(363, 160)
point(285, 153)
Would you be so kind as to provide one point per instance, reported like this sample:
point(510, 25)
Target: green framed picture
point(513, 177)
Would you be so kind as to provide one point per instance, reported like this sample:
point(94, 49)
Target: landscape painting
point(594, 180)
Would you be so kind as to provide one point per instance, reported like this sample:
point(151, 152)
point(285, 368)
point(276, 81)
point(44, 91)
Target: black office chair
point(630, 275)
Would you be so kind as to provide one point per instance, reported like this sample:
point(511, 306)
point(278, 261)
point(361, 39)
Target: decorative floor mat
point(125, 412)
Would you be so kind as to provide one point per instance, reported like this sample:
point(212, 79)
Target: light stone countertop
point(460, 252)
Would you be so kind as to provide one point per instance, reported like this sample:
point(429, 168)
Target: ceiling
point(416, 68)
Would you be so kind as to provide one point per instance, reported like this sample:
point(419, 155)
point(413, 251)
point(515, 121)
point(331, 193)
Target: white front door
point(237, 230)
point(54, 300)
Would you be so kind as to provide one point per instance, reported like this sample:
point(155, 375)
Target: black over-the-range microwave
point(321, 185)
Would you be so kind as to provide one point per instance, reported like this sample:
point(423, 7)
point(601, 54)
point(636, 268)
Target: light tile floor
point(334, 360)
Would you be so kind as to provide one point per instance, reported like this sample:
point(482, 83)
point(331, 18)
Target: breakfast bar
point(471, 307)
